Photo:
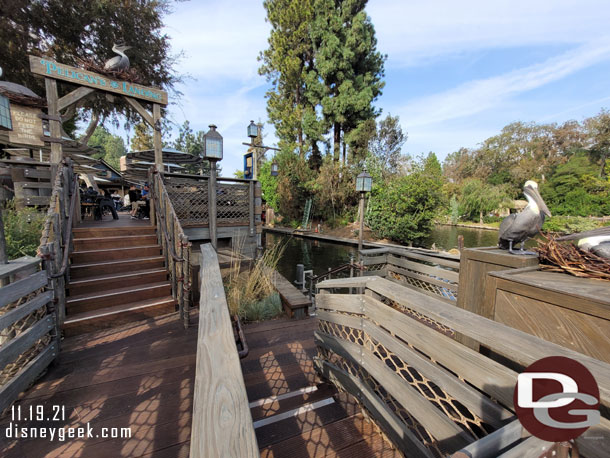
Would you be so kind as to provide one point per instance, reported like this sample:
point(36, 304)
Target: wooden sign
point(27, 126)
point(51, 69)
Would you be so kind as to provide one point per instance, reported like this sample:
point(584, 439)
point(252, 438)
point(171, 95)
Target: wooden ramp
point(138, 376)
point(294, 413)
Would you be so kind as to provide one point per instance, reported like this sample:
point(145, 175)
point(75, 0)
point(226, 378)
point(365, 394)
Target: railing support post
point(212, 204)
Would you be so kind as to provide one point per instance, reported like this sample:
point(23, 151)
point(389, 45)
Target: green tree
point(71, 30)
point(110, 147)
point(288, 64)
point(575, 189)
point(479, 198)
point(193, 143)
point(403, 209)
point(598, 128)
point(349, 65)
point(143, 137)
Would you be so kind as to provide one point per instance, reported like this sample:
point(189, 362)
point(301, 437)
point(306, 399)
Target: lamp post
point(256, 152)
point(212, 152)
point(364, 183)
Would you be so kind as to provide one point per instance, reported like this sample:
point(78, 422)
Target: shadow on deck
point(294, 413)
point(139, 376)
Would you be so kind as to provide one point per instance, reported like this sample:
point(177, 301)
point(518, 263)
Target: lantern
point(364, 182)
point(274, 169)
point(252, 130)
point(212, 149)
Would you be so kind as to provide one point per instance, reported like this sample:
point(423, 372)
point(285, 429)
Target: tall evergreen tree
point(288, 64)
point(349, 65)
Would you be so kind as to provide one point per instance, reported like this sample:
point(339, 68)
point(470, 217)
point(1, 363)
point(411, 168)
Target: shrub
point(22, 230)
point(569, 225)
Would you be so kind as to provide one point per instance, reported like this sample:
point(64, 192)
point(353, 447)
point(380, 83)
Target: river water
point(319, 256)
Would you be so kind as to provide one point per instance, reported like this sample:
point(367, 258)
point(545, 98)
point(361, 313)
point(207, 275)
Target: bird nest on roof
point(555, 256)
point(130, 74)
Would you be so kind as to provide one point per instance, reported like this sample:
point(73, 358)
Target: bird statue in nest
point(596, 241)
point(518, 227)
point(120, 62)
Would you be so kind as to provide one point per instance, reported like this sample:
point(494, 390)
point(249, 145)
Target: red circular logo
point(557, 399)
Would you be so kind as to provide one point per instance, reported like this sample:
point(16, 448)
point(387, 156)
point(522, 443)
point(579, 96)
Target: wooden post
point(212, 204)
point(55, 126)
point(251, 206)
point(361, 230)
point(3, 256)
point(157, 137)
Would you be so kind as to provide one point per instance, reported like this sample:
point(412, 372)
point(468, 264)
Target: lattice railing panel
point(190, 201)
point(445, 293)
point(16, 329)
point(233, 203)
point(443, 401)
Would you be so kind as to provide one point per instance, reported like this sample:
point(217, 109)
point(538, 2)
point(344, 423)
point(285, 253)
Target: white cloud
point(479, 95)
point(414, 31)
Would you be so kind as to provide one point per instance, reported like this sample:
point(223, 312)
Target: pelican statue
point(597, 241)
point(518, 227)
point(120, 62)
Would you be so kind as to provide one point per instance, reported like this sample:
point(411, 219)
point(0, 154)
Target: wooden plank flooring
point(279, 364)
point(138, 376)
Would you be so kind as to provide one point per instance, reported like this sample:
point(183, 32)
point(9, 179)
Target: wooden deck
point(138, 376)
point(280, 365)
point(294, 301)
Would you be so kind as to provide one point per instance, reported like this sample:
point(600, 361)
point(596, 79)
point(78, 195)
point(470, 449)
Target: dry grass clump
point(250, 294)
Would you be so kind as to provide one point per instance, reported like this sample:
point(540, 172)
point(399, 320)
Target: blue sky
point(456, 73)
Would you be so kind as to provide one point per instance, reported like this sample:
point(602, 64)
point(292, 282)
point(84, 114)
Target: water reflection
point(319, 256)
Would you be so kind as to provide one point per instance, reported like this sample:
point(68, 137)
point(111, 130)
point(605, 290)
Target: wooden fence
point(393, 348)
point(436, 275)
point(32, 302)
point(175, 245)
point(222, 422)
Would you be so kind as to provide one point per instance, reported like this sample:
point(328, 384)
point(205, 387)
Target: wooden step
point(90, 232)
point(82, 257)
point(108, 298)
point(123, 241)
point(114, 281)
point(79, 271)
point(117, 315)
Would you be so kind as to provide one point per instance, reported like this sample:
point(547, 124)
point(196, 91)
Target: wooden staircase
point(117, 276)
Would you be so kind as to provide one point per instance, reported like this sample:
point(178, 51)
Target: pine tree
point(349, 65)
point(288, 64)
point(143, 138)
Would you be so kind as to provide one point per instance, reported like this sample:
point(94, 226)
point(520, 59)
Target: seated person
point(141, 199)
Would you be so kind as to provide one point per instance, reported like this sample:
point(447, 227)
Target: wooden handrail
point(179, 265)
point(416, 335)
point(222, 422)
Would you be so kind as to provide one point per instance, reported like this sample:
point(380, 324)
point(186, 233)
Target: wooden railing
point(222, 422)
point(175, 245)
point(237, 201)
point(393, 348)
point(431, 273)
point(32, 302)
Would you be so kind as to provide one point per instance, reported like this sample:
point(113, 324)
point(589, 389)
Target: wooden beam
point(146, 116)
point(55, 126)
point(490, 445)
point(157, 137)
point(73, 97)
point(222, 422)
point(18, 289)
